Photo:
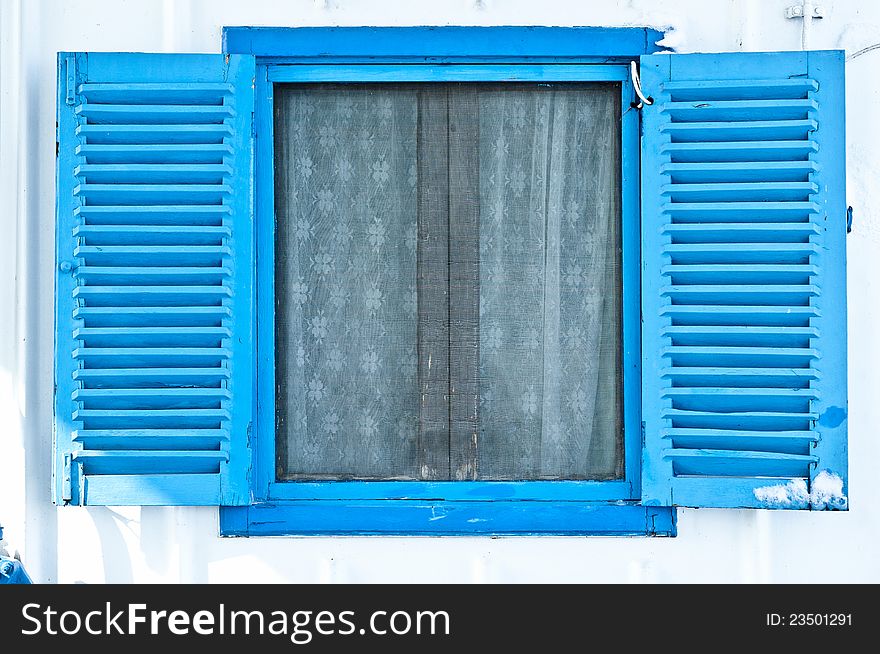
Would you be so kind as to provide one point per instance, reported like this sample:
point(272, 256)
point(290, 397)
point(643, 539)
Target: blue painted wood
point(441, 44)
point(317, 73)
point(743, 263)
point(832, 448)
point(159, 72)
point(630, 260)
point(264, 414)
point(575, 491)
point(318, 517)
point(154, 311)
point(150, 490)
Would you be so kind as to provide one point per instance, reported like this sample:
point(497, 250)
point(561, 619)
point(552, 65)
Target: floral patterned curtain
point(448, 282)
point(345, 282)
point(550, 283)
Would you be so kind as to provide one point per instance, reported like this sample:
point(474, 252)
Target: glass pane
point(550, 285)
point(345, 282)
point(448, 281)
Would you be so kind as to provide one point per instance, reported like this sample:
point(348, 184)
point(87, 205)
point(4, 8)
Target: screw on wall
point(807, 11)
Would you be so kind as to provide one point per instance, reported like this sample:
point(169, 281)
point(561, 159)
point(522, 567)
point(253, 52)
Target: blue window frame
point(733, 237)
point(448, 491)
point(447, 507)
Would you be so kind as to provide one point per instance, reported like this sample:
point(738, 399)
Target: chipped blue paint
point(438, 518)
point(832, 417)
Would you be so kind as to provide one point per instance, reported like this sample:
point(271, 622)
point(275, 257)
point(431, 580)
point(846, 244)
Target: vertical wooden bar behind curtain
point(464, 281)
point(433, 284)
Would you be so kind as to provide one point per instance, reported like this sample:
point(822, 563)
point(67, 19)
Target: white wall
point(181, 544)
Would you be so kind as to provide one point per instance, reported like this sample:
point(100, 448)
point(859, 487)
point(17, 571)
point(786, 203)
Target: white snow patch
point(826, 494)
point(673, 38)
point(793, 495)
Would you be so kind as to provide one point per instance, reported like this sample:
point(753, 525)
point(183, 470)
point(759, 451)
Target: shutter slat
point(739, 335)
point(145, 352)
point(119, 275)
point(171, 93)
point(739, 357)
point(740, 211)
point(732, 191)
point(695, 377)
point(714, 314)
point(739, 289)
point(709, 89)
point(159, 255)
point(152, 173)
point(153, 113)
point(770, 421)
point(740, 273)
point(785, 442)
point(771, 130)
point(150, 439)
point(121, 462)
point(152, 193)
point(135, 396)
point(743, 295)
point(143, 335)
point(154, 363)
point(146, 377)
point(122, 296)
point(769, 253)
point(153, 215)
point(154, 134)
point(121, 234)
point(736, 110)
point(737, 151)
point(157, 316)
point(739, 171)
point(206, 153)
point(738, 463)
point(154, 418)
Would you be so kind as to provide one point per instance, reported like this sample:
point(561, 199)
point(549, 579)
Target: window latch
point(637, 85)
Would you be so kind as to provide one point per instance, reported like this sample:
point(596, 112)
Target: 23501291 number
point(809, 620)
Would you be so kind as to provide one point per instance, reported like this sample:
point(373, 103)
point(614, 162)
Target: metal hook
point(637, 85)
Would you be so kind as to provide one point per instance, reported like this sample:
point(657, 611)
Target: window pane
point(549, 354)
point(448, 281)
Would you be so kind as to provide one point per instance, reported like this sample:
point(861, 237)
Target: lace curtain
point(448, 282)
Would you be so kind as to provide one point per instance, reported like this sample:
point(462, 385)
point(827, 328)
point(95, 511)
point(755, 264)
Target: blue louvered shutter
point(743, 280)
point(154, 362)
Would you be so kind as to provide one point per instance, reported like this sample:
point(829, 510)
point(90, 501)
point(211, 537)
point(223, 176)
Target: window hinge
point(70, 66)
point(66, 486)
point(808, 9)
